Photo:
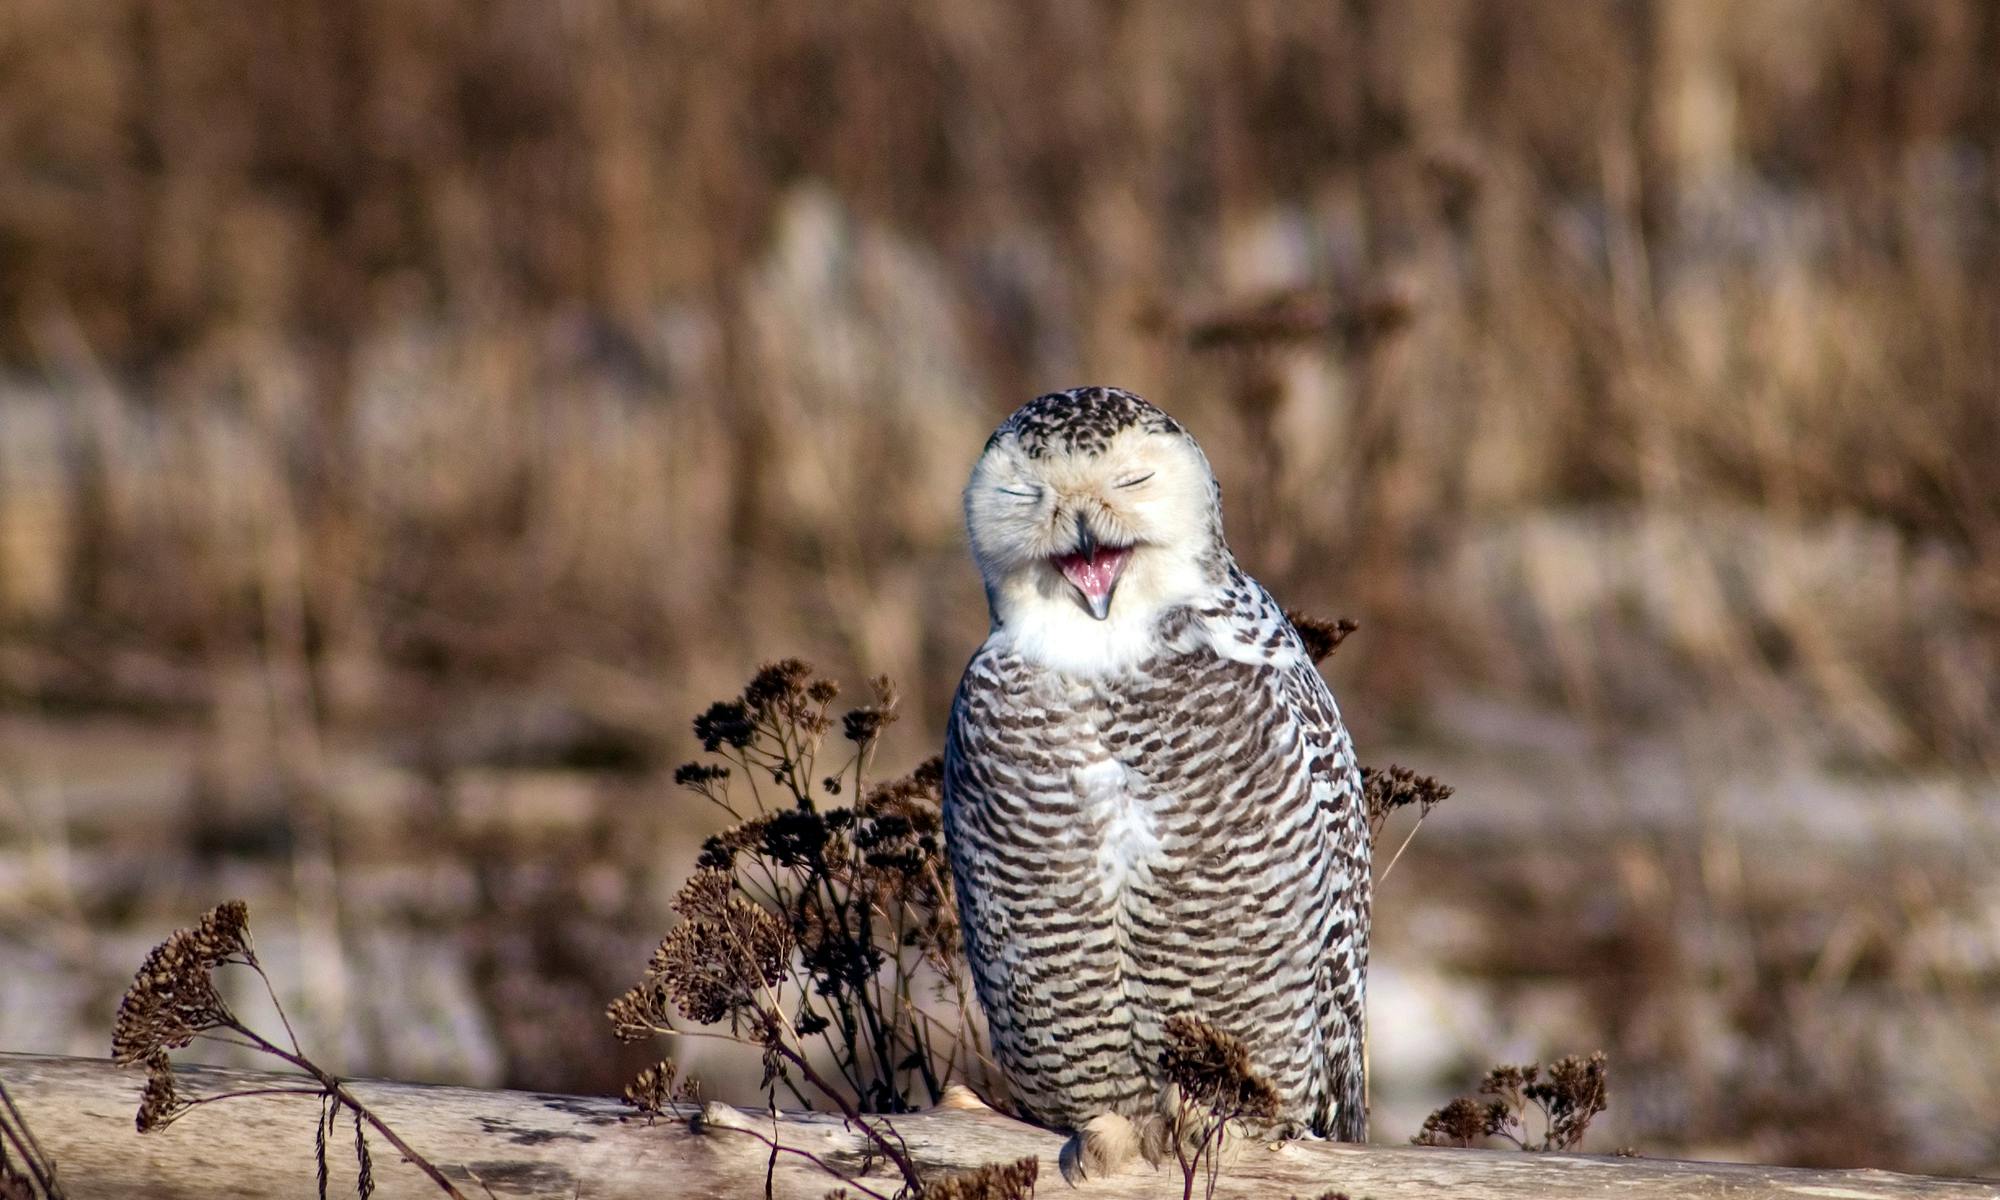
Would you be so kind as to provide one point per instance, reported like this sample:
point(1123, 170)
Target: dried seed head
point(1463, 1122)
point(1505, 1080)
point(778, 687)
point(160, 1103)
point(652, 1090)
point(1321, 637)
point(699, 775)
point(861, 725)
point(913, 794)
point(642, 1012)
point(716, 963)
point(994, 1181)
point(1386, 790)
point(864, 725)
point(1212, 1069)
point(726, 723)
point(173, 998)
point(1576, 1090)
point(1573, 1092)
point(719, 851)
point(364, 1163)
point(800, 899)
point(224, 933)
point(788, 693)
point(795, 838)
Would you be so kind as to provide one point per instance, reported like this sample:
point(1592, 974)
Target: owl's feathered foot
point(1107, 1144)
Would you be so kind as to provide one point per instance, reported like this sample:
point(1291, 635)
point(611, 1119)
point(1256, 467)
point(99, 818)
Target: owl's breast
point(1121, 823)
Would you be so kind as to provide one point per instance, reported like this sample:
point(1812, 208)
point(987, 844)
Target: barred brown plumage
point(1151, 805)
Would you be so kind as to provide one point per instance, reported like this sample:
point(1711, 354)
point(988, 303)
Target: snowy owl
point(1151, 804)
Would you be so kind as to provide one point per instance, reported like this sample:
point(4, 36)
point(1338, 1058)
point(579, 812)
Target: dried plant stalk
point(812, 929)
point(1217, 1091)
point(1573, 1092)
point(173, 1001)
point(1388, 789)
point(26, 1171)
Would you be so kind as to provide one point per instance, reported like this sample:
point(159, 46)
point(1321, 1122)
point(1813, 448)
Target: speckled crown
point(1081, 421)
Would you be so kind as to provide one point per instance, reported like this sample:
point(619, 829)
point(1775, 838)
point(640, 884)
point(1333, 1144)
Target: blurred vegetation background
point(412, 411)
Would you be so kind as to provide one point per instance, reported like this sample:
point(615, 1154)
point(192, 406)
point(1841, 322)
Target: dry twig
point(173, 1000)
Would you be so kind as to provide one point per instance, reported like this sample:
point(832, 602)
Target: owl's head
point(1090, 512)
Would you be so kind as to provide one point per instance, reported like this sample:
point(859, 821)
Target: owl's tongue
point(1095, 573)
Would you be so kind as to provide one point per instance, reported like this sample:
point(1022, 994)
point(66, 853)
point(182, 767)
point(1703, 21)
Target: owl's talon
point(1072, 1170)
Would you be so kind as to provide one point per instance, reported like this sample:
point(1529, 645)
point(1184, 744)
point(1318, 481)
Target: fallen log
point(530, 1144)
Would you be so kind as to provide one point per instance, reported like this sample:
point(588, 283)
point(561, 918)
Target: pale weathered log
point(530, 1144)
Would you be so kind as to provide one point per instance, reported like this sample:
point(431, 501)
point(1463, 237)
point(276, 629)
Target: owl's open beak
point(1093, 570)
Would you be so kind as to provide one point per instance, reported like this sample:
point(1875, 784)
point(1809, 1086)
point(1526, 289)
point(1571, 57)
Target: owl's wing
point(1335, 793)
point(963, 792)
point(1324, 782)
point(983, 853)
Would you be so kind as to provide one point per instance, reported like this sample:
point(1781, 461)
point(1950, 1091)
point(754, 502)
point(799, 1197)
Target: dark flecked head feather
point(1081, 420)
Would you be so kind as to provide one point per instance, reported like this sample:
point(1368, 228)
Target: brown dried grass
point(427, 339)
